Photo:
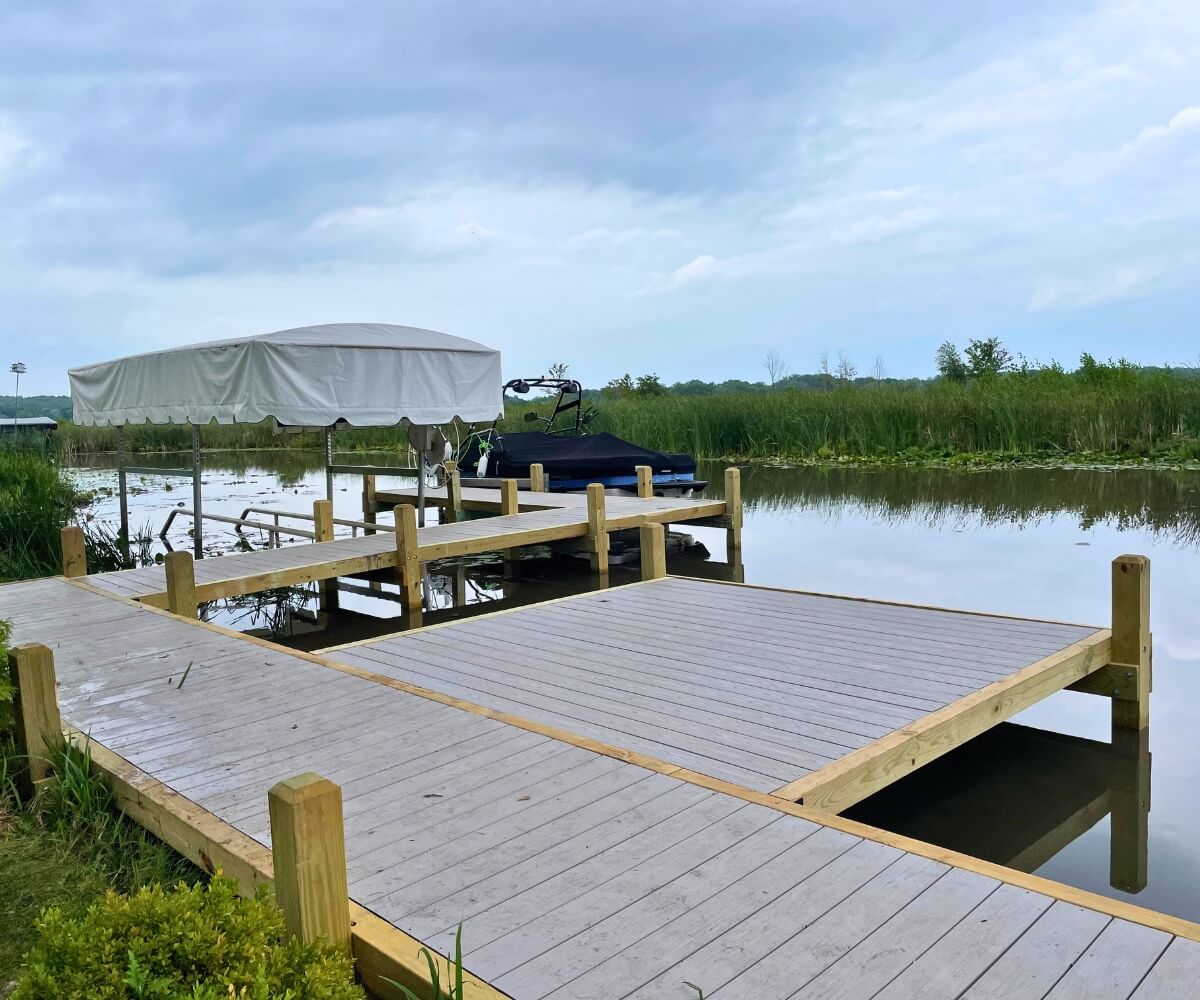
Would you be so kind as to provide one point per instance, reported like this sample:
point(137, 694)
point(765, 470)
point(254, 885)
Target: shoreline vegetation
point(36, 502)
point(984, 409)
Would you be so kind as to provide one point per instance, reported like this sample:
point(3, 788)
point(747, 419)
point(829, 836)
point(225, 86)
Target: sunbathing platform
point(616, 794)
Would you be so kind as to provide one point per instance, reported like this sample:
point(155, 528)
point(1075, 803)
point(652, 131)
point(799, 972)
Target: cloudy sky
point(677, 187)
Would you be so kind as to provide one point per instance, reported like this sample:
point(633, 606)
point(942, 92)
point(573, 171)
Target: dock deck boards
point(581, 875)
point(753, 686)
point(545, 517)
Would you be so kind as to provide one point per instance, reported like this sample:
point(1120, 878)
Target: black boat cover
point(592, 454)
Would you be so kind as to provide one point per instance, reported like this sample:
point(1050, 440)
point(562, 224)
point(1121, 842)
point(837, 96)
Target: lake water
point(1048, 794)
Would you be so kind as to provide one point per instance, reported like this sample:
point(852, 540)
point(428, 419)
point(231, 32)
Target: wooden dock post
point(733, 513)
point(36, 718)
point(1131, 640)
point(74, 556)
point(408, 563)
point(323, 520)
point(509, 504)
point(323, 529)
point(309, 856)
point(508, 497)
point(537, 478)
point(181, 584)
point(454, 503)
point(654, 551)
point(368, 502)
point(645, 481)
point(597, 529)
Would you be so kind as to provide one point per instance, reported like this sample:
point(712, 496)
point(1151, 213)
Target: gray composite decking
point(755, 686)
point(574, 875)
point(563, 514)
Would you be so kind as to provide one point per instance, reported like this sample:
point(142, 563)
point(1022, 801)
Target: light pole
point(18, 368)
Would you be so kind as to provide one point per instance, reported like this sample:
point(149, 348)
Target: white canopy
point(366, 374)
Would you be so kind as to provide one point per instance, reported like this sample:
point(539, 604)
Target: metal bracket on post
point(197, 496)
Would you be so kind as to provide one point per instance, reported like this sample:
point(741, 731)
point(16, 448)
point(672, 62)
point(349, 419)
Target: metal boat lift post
point(194, 474)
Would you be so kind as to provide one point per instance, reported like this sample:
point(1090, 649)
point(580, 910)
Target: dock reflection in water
point(1018, 796)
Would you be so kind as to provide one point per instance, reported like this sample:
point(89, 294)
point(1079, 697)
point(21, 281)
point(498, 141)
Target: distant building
point(43, 424)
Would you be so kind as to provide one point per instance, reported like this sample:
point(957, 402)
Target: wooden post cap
point(74, 553)
point(1131, 637)
point(323, 520)
point(645, 481)
point(309, 854)
point(653, 540)
point(37, 722)
point(181, 584)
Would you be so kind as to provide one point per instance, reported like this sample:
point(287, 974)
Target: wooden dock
point(536, 518)
point(797, 694)
point(602, 789)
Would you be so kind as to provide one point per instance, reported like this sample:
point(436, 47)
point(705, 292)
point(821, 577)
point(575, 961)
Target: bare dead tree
point(776, 366)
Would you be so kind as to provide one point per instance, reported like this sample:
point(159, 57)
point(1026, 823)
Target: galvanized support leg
point(197, 496)
point(122, 488)
point(421, 477)
point(329, 464)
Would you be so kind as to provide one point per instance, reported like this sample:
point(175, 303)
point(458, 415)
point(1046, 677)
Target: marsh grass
point(1044, 414)
point(76, 812)
point(1105, 410)
point(36, 502)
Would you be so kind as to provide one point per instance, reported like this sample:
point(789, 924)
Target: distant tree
point(693, 387)
point(626, 386)
point(950, 364)
point(558, 370)
point(1097, 372)
point(823, 369)
point(986, 357)
point(619, 388)
point(846, 371)
point(879, 372)
point(776, 366)
point(650, 385)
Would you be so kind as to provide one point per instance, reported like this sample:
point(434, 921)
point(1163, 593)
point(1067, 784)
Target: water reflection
point(1165, 504)
point(1039, 793)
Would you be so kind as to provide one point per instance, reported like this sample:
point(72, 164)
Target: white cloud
point(703, 267)
point(622, 237)
point(17, 149)
point(856, 195)
point(1181, 121)
point(1080, 293)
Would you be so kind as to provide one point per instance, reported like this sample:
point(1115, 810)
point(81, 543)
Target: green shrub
point(199, 942)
